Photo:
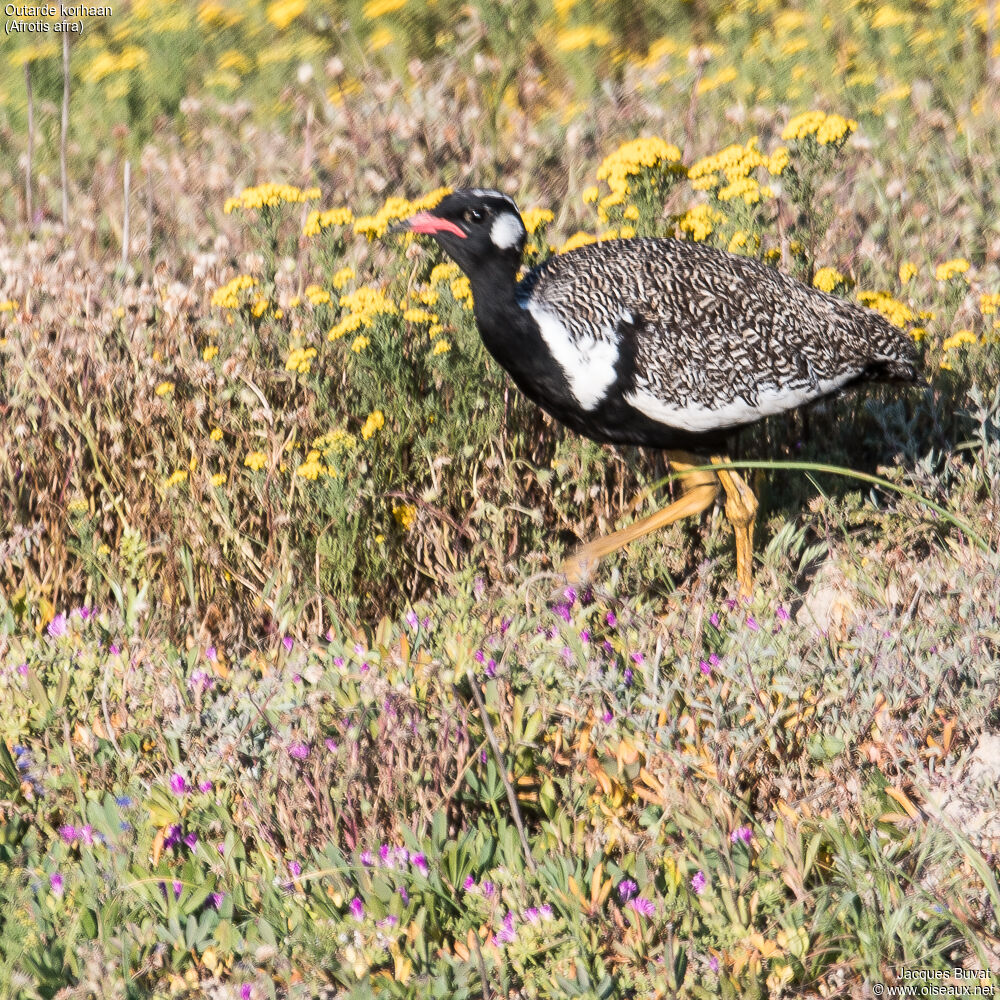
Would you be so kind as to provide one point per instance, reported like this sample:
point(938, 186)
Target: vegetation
point(296, 702)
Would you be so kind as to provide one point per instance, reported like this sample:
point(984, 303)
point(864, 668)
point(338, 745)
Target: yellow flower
point(777, 161)
point(907, 272)
point(210, 352)
point(316, 295)
point(348, 324)
point(259, 306)
point(317, 221)
point(462, 291)
point(300, 360)
point(405, 515)
point(180, 476)
point(219, 479)
point(443, 272)
point(8, 305)
point(918, 333)
point(228, 296)
point(379, 8)
point(311, 468)
point(342, 277)
point(419, 316)
point(535, 217)
point(281, 13)
point(951, 268)
point(375, 226)
point(825, 129)
point(375, 422)
point(435, 330)
point(989, 304)
point(427, 296)
point(164, 388)
point(360, 343)
point(826, 279)
point(892, 309)
point(631, 213)
point(269, 196)
point(646, 155)
point(958, 339)
point(579, 239)
point(590, 194)
point(721, 78)
point(441, 347)
point(216, 434)
point(699, 221)
point(337, 442)
point(256, 460)
point(575, 39)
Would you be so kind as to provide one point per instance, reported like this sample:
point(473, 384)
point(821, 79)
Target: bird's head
point(474, 227)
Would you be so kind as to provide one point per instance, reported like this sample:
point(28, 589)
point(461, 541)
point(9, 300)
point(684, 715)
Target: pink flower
point(357, 909)
point(781, 614)
point(288, 642)
point(298, 750)
point(698, 882)
point(295, 868)
point(752, 624)
point(420, 863)
point(177, 784)
point(643, 906)
point(57, 626)
point(56, 884)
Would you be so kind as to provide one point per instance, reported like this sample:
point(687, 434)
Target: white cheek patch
point(587, 362)
point(507, 231)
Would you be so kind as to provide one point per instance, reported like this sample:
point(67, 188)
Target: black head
point(475, 227)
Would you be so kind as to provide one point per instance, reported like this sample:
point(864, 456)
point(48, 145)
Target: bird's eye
point(474, 215)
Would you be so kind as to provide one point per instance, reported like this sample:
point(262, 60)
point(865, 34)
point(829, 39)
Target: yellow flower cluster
point(735, 164)
point(342, 277)
point(219, 479)
point(461, 290)
point(108, 63)
point(176, 478)
point(374, 9)
point(958, 339)
point(989, 303)
point(374, 423)
point(312, 468)
point(374, 226)
point(256, 460)
point(892, 309)
point(441, 273)
point(269, 196)
point(8, 305)
point(907, 272)
point(210, 352)
point(364, 304)
point(360, 343)
point(577, 240)
point(535, 217)
point(825, 129)
point(281, 13)
point(951, 269)
point(699, 221)
point(575, 39)
point(419, 316)
point(316, 295)
point(300, 360)
point(228, 296)
point(630, 160)
point(336, 442)
point(441, 347)
point(405, 515)
point(164, 388)
point(826, 279)
point(317, 221)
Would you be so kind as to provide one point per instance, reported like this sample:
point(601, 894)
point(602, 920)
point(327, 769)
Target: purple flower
point(298, 750)
point(469, 884)
point(84, 613)
point(491, 668)
point(57, 626)
point(210, 653)
point(383, 853)
point(288, 642)
point(389, 921)
point(67, 833)
point(506, 934)
point(628, 677)
point(420, 863)
point(295, 868)
point(56, 884)
point(191, 839)
point(366, 859)
point(246, 991)
point(705, 667)
point(400, 856)
point(531, 915)
point(584, 635)
point(545, 911)
point(713, 963)
point(638, 658)
point(698, 882)
point(752, 624)
point(338, 661)
point(123, 802)
point(570, 594)
point(643, 906)
point(404, 895)
point(178, 886)
point(741, 833)
point(505, 624)
point(562, 611)
point(114, 649)
point(479, 656)
point(782, 615)
point(177, 784)
point(411, 619)
point(22, 669)
point(488, 889)
point(205, 786)
point(331, 745)
point(86, 834)
point(217, 898)
point(200, 681)
point(714, 619)
point(357, 909)
point(607, 717)
point(627, 889)
point(611, 619)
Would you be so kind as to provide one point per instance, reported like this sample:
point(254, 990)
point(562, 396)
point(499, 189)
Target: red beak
point(428, 224)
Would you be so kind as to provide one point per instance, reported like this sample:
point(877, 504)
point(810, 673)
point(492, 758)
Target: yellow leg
point(699, 490)
point(741, 510)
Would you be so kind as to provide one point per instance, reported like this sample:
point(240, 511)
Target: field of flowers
point(295, 700)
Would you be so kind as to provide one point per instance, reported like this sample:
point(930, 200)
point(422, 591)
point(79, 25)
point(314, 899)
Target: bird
point(661, 343)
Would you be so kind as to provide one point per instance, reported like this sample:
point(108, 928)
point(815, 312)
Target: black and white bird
point(662, 343)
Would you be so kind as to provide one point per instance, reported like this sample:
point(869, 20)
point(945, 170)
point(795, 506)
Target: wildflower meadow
point(295, 700)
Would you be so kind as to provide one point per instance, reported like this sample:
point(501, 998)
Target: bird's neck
point(509, 332)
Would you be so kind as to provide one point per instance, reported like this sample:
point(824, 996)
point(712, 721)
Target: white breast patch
point(587, 362)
